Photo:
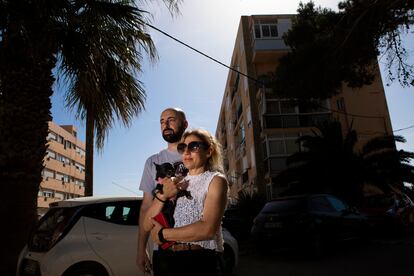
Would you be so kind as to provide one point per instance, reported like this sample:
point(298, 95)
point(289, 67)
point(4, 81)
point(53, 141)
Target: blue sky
point(188, 80)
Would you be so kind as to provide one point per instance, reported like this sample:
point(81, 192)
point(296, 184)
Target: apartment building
point(64, 171)
point(258, 130)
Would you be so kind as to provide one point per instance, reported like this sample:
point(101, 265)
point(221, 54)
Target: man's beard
point(173, 137)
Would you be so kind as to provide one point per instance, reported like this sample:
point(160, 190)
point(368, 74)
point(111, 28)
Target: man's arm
point(143, 260)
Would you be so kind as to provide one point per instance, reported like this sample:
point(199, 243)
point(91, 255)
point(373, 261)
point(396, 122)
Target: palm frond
point(381, 143)
point(103, 57)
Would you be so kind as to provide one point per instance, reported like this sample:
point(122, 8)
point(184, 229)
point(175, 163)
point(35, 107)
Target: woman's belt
point(184, 247)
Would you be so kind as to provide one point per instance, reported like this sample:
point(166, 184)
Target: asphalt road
point(377, 256)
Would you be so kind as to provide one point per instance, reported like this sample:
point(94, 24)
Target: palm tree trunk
point(90, 137)
point(25, 90)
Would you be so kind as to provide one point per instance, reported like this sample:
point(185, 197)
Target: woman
point(197, 230)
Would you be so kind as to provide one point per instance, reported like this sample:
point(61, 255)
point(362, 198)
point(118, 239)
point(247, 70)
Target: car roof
point(299, 196)
point(80, 201)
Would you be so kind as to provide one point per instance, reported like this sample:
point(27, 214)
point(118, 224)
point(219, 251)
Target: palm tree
point(115, 94)
point(331, 163)
point(98, 46)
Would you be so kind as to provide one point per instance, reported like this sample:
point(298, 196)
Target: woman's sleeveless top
point(188, 211)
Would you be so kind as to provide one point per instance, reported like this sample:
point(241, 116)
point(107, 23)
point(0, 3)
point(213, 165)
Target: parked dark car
point(386, 211)
point(308, 220)
point(237, 224)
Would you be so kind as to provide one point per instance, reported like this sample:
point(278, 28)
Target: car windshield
point(284, 205)
point(48, 225)
point(379, 201)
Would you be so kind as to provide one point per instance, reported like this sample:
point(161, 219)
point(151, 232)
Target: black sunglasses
point(194, 146)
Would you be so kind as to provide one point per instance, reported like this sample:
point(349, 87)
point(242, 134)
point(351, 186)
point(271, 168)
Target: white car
point(92, 236)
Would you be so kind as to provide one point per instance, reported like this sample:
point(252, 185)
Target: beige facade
point(258, 130)
point(64, 171)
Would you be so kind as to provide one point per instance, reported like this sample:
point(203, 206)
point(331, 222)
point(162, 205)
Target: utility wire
point(125, 188)
point(400, 129)
point(254, 79)
point(201, 53)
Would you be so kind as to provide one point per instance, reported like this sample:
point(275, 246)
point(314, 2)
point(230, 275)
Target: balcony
point(267, 49)
point(294, 120)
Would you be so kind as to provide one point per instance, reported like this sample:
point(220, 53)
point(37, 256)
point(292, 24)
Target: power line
point(125, 188)
point(201, 53)
point(400, 129)
point(254, 79)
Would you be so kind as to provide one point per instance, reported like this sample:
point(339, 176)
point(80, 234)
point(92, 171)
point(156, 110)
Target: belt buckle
point(181, 247)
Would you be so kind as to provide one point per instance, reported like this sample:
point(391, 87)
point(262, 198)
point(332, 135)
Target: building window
point(79, 182)
point(265, 30)
point(65, 178)
point(51, 136)
point(50, 154)
point(47, 193)
point(60, 139)
point(272, 107)
point(79, 167)
point(340, 104)
point(63, 159)
point(59, 176)
point(80, 151)
point(281, 146)
point(48, 174)
point(287, 114)
point(68, 144)
point(276, 147)
point(277, 164)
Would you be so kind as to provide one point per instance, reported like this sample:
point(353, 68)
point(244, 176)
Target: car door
point(325, 217)
point(111, 230)
point(350, 222)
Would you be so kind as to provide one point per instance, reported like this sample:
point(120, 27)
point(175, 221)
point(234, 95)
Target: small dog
point(169, 170)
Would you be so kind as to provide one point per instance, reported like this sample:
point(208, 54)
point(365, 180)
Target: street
point(377, 256)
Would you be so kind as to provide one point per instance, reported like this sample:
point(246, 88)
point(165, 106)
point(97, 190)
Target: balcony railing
point(294, 120)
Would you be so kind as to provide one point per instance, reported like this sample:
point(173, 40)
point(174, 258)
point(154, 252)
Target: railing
point(294, 120)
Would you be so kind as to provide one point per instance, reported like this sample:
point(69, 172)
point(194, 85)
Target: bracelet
point(157, 189)
point(163, 201)
point(161, 236)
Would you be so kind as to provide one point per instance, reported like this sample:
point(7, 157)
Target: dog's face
point(164, 170)
point(169, 170)
point(180, 169)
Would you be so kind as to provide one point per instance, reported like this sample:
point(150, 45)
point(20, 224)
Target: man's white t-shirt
point(148, 182)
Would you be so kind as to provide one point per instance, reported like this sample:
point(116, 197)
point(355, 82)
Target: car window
point(378, 201)
point(285, 205)
point(123, 212)
point(56, 220)
point(321, 204)
point(337, 204)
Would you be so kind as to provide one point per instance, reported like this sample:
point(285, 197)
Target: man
point(173, 124)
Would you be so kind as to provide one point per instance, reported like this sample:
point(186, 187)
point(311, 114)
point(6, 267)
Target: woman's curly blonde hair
point(215, 161)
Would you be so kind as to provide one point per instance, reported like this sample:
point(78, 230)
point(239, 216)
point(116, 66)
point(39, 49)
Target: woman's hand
point(169, 188)
point(154, 231)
